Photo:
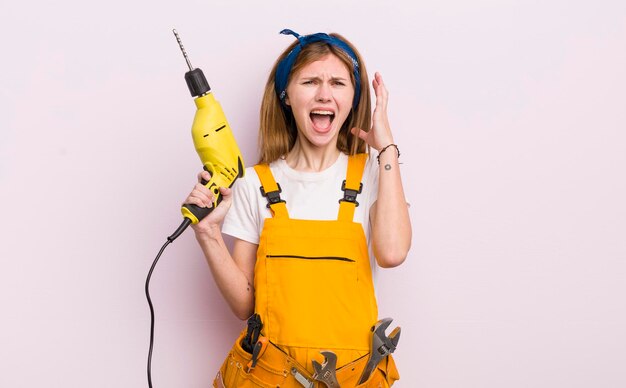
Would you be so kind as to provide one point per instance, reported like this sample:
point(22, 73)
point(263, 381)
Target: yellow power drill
point(220, 156)
point(214, 142)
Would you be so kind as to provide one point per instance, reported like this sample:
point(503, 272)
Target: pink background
point(510, 116)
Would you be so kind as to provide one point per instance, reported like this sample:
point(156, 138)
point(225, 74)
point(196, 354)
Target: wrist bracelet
point(384, 149)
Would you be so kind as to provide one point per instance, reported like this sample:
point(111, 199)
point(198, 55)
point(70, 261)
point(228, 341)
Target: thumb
point(226, 194)
point(360, 133)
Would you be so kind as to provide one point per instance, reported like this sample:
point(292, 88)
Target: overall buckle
point(349, 195)
point(273, 197)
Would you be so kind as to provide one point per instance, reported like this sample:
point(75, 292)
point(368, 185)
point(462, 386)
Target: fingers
point(382, 95)
point(227, 194)
point(200, 196)
point(377, 80)
point(204, 175)
point(216, 216)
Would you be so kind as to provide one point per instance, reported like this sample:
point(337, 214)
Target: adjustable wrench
point(382, 346)
point(326, 372)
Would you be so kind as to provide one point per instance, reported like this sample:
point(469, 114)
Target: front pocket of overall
point(384, 375)
point(265, 374)
point(236, 376)
point(315, 300)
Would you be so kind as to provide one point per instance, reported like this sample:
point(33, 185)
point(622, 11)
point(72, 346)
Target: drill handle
point(196, 213)
point(201, 212)
point(193, 213)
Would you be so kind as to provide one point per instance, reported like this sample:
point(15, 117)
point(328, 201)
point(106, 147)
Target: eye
point(339, 83)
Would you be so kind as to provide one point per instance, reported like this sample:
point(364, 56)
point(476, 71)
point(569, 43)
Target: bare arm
point(234, 275)
point(391, 226)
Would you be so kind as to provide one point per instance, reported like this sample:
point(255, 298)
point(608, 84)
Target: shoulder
point(245, 190)
point(249, 180)
point(243, 219)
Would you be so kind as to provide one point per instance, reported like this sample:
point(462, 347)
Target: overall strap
point(351, 187)
point(271, 190)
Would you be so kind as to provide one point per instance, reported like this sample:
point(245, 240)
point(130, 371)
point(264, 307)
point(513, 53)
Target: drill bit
point(182, 49)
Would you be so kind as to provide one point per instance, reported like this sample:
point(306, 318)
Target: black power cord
point(186, 222)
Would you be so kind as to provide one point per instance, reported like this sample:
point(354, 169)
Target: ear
point(287, 100)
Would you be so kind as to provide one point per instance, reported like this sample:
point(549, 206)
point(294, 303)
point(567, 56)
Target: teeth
point(322, 112)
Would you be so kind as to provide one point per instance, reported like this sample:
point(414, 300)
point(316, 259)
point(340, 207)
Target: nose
point(324, 92)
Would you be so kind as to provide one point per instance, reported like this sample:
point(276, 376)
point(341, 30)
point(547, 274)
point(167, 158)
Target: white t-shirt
point(309, 196)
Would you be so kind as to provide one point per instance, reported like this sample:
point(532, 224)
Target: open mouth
point(322, 119)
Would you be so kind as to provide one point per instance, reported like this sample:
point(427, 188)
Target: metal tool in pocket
point(382, 346)
point(306, 383)
point(326, 372)
point(259, 348)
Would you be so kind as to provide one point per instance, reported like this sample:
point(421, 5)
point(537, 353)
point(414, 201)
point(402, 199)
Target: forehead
point(328, 65)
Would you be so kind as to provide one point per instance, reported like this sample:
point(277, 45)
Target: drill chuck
point(197, 83)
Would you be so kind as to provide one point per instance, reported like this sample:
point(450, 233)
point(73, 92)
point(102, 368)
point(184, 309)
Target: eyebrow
point(318, 78)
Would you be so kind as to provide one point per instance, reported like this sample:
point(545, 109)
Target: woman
point(302, 221)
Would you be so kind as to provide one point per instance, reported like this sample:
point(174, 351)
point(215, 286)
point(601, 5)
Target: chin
point(322, 139)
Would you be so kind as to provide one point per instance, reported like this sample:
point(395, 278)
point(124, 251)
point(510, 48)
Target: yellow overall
point(313, 292)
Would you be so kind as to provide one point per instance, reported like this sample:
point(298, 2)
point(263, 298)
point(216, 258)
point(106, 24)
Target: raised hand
point(379, 135)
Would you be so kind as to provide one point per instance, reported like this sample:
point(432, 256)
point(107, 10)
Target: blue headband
point(284, 67)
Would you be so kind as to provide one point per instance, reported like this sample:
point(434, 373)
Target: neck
point(307, 158)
